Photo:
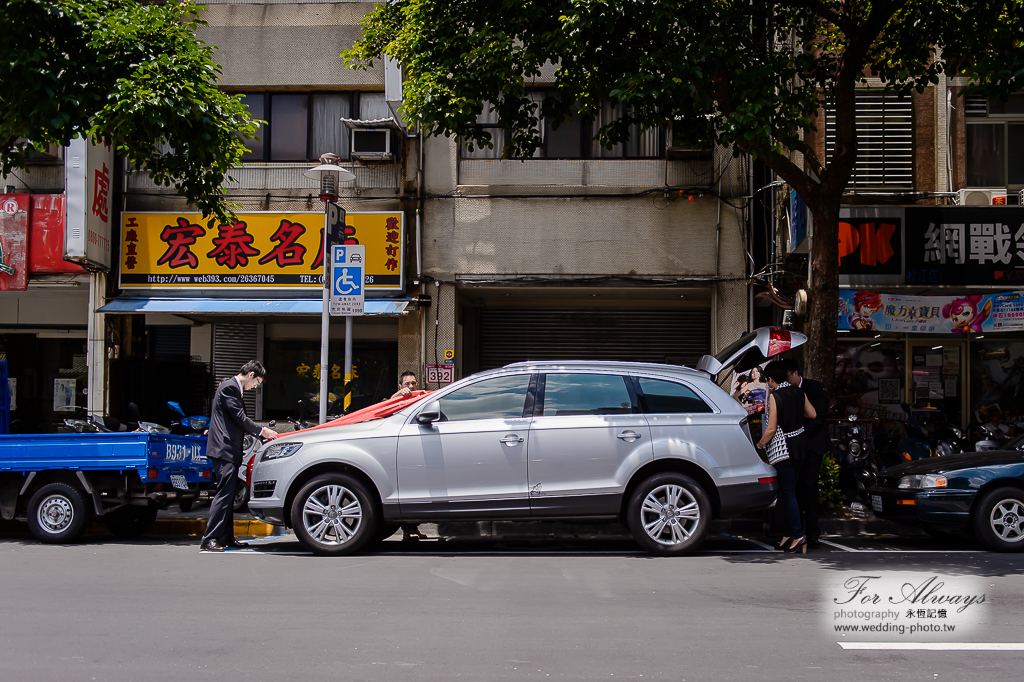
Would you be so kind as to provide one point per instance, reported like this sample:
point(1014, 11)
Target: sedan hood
point(966, 460)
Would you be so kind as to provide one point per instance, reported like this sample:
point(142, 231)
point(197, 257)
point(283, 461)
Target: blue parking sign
point(347, 280)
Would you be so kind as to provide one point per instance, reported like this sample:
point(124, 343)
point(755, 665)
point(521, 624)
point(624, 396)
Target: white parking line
point(932, 646)
point(838, 546)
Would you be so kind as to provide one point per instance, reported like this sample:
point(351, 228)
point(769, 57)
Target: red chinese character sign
point(88, 173)
point(255, 250)
point(14, 210)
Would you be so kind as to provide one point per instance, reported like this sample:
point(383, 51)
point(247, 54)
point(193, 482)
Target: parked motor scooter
point(857, 468)
point(187, 426)
point(993, 438)
point(943, 437)
point(144, 426)
point(81, 422)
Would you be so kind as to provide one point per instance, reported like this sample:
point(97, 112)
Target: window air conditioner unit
point(371, 144)
point(981, 197)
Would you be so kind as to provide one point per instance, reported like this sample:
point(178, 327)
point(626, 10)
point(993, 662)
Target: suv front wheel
point(333, 515)
point(668, 514)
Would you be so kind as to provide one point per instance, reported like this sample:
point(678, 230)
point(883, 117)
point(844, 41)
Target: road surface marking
point(933, 646)
point(838, 546)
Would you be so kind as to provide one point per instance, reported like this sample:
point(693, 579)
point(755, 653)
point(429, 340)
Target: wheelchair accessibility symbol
point(348, 280)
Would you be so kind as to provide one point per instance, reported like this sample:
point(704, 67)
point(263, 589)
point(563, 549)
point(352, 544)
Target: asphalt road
point(490, 609)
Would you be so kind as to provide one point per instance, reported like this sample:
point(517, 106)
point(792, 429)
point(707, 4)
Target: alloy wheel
point(670, 514)
point(332, 515)
point(1007, 520)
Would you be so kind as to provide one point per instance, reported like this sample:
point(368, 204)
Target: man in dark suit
point(228, 426)
point(818, 443)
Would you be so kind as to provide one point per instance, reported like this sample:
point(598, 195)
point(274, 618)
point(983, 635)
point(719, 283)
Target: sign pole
point(348, 361)
point(325, 322)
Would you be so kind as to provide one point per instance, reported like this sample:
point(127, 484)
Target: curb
point(198, 527)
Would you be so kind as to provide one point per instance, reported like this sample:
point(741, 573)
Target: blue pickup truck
point(58, 483)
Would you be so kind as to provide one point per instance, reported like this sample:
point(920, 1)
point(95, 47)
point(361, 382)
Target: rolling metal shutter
point(233, 346)
point(516, 334)
point(170, 342)
point(885, 139)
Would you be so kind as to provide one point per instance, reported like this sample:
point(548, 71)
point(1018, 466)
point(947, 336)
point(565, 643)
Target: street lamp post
point(330, 175)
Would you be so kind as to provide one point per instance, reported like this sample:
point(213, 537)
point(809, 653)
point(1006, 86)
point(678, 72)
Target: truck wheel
point(669, 514)
point(999, 520)
point(333, 515)
point(130, 521)
point(241, 497)
point(57, 513)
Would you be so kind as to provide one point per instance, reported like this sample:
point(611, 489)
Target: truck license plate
point(179, 482)
point(876, 502)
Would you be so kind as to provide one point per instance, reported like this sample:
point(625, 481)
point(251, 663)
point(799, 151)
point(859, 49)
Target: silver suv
point(660, 447)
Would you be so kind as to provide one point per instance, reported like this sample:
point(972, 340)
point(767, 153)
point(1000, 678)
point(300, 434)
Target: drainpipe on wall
point(96, 355)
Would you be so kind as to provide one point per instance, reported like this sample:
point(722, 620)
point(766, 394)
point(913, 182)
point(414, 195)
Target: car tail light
point(248, 470)
point(779, 341)
point(769, 479)
point(151, 474)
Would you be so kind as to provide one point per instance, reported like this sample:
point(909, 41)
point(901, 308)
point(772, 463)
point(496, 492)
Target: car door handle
point(511, 439)
point(628, 436)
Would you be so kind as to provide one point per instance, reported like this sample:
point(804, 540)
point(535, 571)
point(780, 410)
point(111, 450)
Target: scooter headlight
point(280, 451)
point(922, 482)
point(957, 432)
point(855, 447)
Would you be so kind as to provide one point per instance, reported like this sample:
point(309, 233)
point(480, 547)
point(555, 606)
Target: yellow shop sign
point(259, 249)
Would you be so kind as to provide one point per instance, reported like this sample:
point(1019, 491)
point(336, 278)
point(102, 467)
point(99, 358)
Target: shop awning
point(244, 306)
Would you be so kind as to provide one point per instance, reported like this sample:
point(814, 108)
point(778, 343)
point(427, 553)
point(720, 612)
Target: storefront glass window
point(869, 379)
point(936, 374)
point(48, 381)
point(997, 380)
point(293, 374)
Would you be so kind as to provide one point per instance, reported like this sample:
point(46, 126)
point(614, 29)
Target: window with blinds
point(885, 140)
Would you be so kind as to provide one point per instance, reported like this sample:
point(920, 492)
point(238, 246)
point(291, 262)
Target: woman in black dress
point(787, 448)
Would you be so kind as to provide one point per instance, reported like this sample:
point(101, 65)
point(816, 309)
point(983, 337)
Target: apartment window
point(994, 153)
point(885, 139)
point(574, 138)
point(301, 126)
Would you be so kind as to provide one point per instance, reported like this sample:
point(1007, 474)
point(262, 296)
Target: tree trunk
point(823, 308)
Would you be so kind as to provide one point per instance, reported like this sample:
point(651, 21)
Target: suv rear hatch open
point(752, 349)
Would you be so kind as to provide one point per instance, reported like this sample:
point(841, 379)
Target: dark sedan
point(981, 492)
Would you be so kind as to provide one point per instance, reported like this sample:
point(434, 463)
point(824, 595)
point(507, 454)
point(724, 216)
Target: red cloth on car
point(385, 408)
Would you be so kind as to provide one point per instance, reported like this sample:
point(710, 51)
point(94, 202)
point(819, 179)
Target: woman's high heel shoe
point(781, 544)
point(799, 546)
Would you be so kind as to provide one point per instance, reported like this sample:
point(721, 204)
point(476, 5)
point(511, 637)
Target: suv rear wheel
point(669, 514)
point(333, 515)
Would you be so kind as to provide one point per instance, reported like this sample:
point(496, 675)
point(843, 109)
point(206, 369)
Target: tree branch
point(822, 10)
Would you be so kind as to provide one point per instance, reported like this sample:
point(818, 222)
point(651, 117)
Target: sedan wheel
point(999, 520)
point(333, 515)
point(668, 514)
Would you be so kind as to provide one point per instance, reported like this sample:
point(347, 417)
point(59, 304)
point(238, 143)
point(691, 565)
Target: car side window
point(668, 397)
point(577, 394)
point(498, 398)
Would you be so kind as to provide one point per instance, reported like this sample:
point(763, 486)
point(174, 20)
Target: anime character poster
point(869, 380)
point(969, 314)
point(997, 379)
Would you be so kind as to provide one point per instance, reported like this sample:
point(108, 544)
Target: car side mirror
point(430, 414)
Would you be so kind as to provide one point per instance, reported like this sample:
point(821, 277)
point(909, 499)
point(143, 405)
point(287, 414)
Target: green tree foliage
point(751, 76)
point(127, 72)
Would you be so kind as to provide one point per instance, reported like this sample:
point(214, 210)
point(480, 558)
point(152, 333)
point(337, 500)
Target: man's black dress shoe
point(235, 544)
point(212, 546)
